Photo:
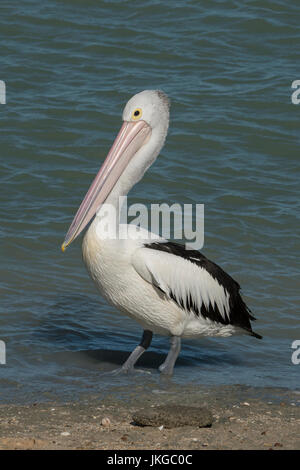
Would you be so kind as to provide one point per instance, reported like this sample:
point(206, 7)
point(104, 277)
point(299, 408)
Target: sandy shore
point(239, 421)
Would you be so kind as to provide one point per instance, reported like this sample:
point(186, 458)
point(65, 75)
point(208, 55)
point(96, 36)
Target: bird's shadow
point(149, 359)
point(153, 359)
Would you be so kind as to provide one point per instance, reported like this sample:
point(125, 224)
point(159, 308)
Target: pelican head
point(137, 145)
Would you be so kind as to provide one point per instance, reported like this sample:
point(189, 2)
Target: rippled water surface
point(233, 145)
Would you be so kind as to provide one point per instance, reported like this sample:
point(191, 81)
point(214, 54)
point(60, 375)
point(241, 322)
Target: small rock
point(65, 433)
point(172, 416)
point(105, 422)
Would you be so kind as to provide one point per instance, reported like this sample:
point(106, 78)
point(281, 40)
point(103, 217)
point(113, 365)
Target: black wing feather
point(239, 313)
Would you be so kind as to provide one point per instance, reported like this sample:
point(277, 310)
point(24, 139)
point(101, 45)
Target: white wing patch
point(190, 284)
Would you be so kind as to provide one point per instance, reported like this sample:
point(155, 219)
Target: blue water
point(69, 67)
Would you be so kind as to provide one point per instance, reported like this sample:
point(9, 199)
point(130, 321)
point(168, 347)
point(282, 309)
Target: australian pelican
point(165, 287)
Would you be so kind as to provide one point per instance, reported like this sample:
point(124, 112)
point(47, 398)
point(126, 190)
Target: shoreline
point(242, 419)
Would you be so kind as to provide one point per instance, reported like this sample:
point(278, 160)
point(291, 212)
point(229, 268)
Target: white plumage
point(181, 277)
point(167, 289)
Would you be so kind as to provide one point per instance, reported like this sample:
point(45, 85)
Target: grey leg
point(138, 351)
point(168, 366)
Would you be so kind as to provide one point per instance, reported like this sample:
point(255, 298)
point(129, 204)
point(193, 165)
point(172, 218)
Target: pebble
point(105, 422)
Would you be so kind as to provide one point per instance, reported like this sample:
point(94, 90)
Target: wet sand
point(242, 418)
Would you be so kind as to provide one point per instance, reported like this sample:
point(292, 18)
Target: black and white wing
point(195, 283)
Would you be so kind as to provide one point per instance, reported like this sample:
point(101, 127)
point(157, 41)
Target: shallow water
point(69, 68)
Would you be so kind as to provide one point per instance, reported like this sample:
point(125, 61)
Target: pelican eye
point(137, 113)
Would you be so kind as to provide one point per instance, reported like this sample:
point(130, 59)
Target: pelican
point(167, 288)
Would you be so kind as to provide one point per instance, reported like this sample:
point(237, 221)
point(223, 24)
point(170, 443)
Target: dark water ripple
point(69, 67)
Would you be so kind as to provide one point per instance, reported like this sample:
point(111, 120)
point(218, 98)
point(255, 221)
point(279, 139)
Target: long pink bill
point(130, 139)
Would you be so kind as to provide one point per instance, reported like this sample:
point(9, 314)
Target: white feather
point(181, 277)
